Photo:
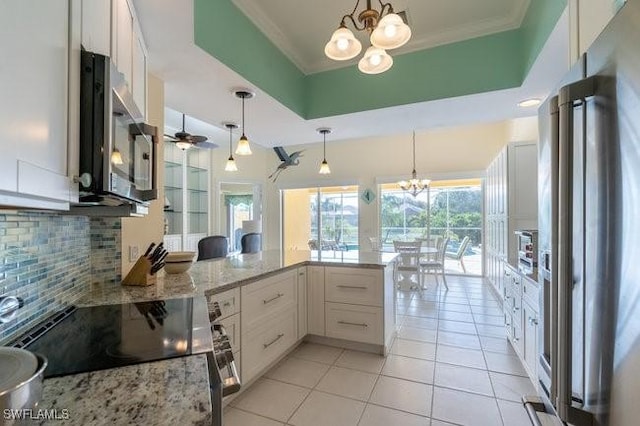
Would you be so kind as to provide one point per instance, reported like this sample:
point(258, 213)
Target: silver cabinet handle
point(266, 345)
point(515, 308)
point(353, 323)
point(352, 286)
point(226, 304)
point(278, 296)
point(533, 321)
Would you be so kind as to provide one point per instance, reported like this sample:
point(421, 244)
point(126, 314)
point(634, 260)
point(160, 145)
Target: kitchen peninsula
point(339, 298)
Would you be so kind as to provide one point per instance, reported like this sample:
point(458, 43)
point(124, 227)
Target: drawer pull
point(227, 304)
point(515, 308)
point(266, 345)
point(353, 323)
point(533, 321)
point(273, 298)
point(359, 287)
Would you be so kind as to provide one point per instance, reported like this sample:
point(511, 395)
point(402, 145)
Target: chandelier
point(386, 31)
point(414, 186)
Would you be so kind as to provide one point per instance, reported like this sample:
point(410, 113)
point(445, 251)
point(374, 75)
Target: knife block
point(140, 274)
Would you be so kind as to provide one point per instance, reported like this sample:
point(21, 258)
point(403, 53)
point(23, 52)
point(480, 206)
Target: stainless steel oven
point(527, 250)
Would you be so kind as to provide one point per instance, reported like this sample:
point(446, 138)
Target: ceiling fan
point(184, 140)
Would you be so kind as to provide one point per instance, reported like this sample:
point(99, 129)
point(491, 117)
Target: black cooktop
point(93, 338)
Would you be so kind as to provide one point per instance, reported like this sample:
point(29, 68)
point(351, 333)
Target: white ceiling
point(302, 31)
point(200, 86)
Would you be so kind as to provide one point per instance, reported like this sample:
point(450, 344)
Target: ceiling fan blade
point(170, 138)
point(207, 145)
point(197, 139)
point(182, 135)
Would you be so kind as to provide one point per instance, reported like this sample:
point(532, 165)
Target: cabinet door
point(302, 302)
point(530, 325)
point(96, 26)
point(123, 29)
point(315, 298)
point(34, 41)
point(139, 83)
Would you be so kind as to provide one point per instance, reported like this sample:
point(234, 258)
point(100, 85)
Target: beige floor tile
point(491, 330)
point(463, 378)
point(460, 356)
point(414, 349)
point(403, 395)
point(421, 312)
point(348, 383)
point(487, 310)
point(497, 344)
point(465, 408)
point(424, 304)
point(421, 322)
point(420, 334)
point(507, 386)
point(454, 307)
point(363, 361)
point(457, 326)
point(455, 316)
point(488, 319)
point(414, 369)
point(322, 409)
point(513, 413)
point(235, 417)
point(468, 341)
point(435, 422)
point(375, 415)
point(298, 371)
point(272, 399)
point(501, 363)
point(317, 353)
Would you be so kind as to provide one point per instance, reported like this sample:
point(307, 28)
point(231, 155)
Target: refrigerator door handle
point(569, 97)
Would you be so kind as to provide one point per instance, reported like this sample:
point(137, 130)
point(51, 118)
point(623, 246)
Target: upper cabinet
point(40, 42)
point(96, 26)
point(587, 19)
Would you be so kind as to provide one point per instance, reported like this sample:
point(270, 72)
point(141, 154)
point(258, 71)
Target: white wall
point(464, 151)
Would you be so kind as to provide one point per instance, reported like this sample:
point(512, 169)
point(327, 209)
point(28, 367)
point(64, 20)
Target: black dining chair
point(251, 242)
point(213, 247)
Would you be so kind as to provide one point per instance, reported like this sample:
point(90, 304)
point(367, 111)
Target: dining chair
point(435, 266)
point(408, 263)
point(213, 247)
point(459, 255)
point(251, 242)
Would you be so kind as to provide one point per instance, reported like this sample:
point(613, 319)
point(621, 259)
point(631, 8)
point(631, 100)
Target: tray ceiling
point(301, 29)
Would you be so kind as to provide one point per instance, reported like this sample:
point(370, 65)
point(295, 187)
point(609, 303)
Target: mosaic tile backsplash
point(48, 260)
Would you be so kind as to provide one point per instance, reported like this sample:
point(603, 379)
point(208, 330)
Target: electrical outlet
point(133, 253)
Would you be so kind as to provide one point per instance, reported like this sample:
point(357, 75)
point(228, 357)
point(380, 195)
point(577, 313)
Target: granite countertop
point(217, 275)
point(173, 391)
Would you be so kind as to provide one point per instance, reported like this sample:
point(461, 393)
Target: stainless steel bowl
point(26, 394)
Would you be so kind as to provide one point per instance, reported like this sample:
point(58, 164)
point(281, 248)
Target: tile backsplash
point(49, 260)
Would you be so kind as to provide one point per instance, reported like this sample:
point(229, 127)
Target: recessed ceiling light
point(529, 103)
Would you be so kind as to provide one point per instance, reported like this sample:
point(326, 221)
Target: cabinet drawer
point(355, 286)
point(232, 327)
point(266, 297)
point(353, 322)
point(263, 344)
point(229, 302)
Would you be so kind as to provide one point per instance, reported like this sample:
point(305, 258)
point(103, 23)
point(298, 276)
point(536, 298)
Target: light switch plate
point(133, 253)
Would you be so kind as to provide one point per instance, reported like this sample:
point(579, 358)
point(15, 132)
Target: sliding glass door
point(320, 218)
point(450, 208)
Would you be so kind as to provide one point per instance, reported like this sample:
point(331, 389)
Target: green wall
point(493, 62)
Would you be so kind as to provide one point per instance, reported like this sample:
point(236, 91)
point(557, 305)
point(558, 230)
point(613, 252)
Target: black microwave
point(117, 149)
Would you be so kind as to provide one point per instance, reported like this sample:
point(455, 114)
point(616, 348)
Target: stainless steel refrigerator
point(589, 235)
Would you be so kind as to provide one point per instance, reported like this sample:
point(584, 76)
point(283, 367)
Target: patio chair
point(435, 266)
point(459, 255)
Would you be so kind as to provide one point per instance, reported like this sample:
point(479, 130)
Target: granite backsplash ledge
point(48, 259)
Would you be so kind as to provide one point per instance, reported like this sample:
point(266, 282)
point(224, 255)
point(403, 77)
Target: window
point(450, 208)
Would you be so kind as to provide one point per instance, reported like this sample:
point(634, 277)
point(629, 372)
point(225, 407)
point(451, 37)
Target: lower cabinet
point(302, 302)
point(354, 322)
point(265, 343)
point(315, 300)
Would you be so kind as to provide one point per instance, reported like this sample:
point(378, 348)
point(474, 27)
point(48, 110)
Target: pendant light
point(324, 166)
point(243, 144)
point(231, 162)
point(414, 186)
point(116, 157)
point(375, 61)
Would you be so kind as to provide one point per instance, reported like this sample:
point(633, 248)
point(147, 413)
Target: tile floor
point(450, 365)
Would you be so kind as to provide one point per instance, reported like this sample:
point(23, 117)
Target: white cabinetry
point(39, 42)
point(302, 302)
point(511, 204)
point(96, 24)
point(587, 20)
point(315, 300)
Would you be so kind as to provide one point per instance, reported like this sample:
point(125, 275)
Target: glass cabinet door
point(173, 189)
